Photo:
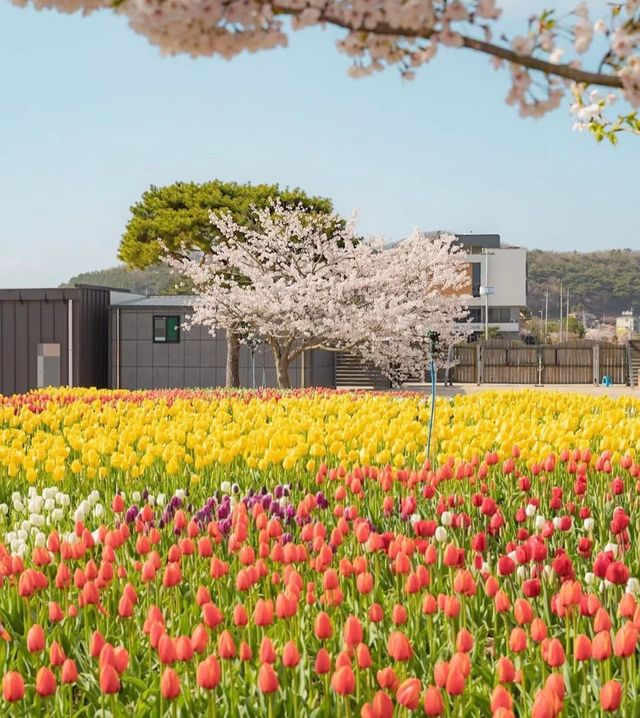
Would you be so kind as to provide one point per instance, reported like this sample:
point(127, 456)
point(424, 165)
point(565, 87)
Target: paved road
point(612, 391)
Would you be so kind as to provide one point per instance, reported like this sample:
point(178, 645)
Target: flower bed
point(266, 554)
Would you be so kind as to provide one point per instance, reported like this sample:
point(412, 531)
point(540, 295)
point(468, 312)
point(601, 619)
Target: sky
point(91, 114)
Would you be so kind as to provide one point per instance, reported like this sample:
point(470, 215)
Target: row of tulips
point(486, 585)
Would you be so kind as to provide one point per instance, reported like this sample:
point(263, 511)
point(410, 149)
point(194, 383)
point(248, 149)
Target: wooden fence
point(510, 362)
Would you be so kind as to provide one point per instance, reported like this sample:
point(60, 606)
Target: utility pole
point(561, 295)
point(546, 314)
point(567, 313)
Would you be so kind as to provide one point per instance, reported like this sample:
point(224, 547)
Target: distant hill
point(155, 280)
point(606, 282)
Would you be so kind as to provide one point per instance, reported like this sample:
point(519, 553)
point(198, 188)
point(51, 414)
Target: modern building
point(497, 283)
point(151, 349)
point(102, 337)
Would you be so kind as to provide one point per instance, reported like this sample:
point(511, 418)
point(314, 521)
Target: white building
point(498, 283)
point(626, 325)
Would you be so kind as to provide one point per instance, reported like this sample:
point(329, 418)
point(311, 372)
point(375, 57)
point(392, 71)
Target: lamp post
point(486, 290)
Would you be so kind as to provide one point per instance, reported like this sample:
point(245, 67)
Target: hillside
point(606, 282)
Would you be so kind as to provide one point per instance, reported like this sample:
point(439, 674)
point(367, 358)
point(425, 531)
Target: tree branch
point(533, 63)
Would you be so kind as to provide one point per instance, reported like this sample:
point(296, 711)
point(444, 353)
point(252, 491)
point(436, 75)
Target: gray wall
point(197, 360)
point(32, 316)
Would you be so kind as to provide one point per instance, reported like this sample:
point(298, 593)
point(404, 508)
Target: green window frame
point(166, 328)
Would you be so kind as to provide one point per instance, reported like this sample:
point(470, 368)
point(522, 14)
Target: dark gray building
point(151, 349)
point(52, 337)
point(102, 337)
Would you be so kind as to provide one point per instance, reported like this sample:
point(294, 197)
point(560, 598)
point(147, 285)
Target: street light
point(486, 290)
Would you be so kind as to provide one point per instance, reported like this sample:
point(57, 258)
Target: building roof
point(173, 300)
point(485, 241)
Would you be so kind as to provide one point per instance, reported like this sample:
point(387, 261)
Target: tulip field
point(212, 553)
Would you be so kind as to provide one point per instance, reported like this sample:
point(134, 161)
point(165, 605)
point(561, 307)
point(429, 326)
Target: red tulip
point(290, 655)
point(408, 693)
point(611, 696)
point(208, 673)
point(343, 681)
point(35, 639)
point(69, 672)
point(45, 682)
point(582, 647)
point(433, 703)
point(323, 662)
point(169, 684)
point(399, 647)
point(352, 631)
point(12, 687)
point(267, 679)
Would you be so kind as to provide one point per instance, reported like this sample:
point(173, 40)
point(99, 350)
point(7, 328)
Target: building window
point(166, 329)
point(500, 315)
point(475, 315)
point(475, 279)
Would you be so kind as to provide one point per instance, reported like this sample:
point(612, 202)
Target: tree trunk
point(282, 370)
point(233, 360)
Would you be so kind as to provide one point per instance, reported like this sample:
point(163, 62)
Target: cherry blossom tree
point(544, 61)
point(298, 281)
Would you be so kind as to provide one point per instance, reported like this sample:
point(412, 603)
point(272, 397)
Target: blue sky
point(92, 115)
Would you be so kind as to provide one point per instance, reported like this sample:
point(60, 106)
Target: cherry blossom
point(406, 33)
point(299, 281)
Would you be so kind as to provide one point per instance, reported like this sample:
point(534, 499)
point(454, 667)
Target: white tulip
point(441, 534)
point(181, 493)
point(557, 522)
point(161, 500)
point(530, 510)
point(540, 522)
point(4, 509)
point(612, 547)
point(57, 515)
point(589, 578)
point(225, 487)
point(49, 505)
point(589, 523)
point(40, 539)
point(136, 496)
point(22, 535)
point(98, 510)
point(446, 518)
point(521, 572)
point(633, 585)
point(415, 518)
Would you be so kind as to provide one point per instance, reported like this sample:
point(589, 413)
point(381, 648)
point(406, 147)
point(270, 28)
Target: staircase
point(634, 361)
point(351, 371)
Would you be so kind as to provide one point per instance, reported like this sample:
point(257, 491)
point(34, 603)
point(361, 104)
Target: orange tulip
point(267, 651)
point(382, 705)
point(581, 647)
point(35, 639)
point(408, 693)
point(208, 673)
point(611, 696)
point(226, 645)
point(323, 662)
point(96, 644)
point(322, 626)
point(518, 640)
point(290, 655)
point(554, 653)
point(169, 684)
point(626, 639)
point(433, 703)
point(263, 612)
point(56, 654)
point(12, 687)
point(352, 632)
point(69, 672)
point(267, 679)
point(399, 647)
point(343, 681)
point(455, 681)
point(501, 698)
point(464, 641)
point(167, 650)
point(601, 646)
point(45, 682)
point(506, 670)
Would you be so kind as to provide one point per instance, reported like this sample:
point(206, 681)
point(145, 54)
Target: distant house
point(627, 325)
point(103, 337)
point(497, 289)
